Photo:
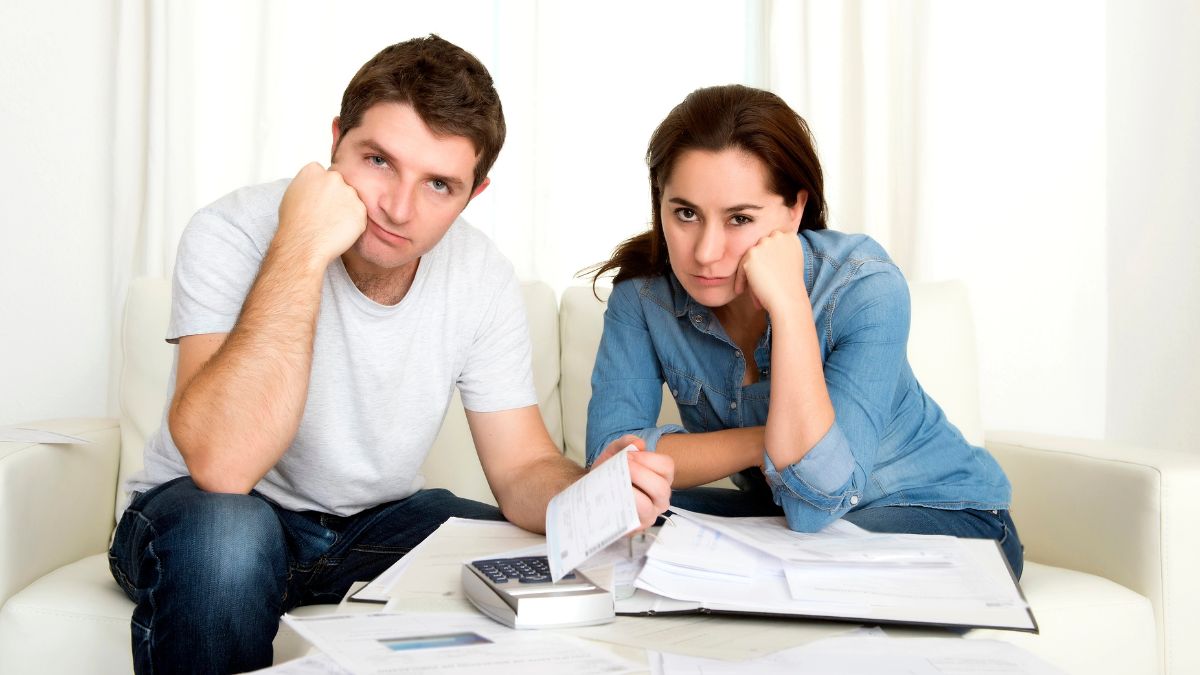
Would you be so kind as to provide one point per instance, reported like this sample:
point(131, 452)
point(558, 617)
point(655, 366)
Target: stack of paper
point(759, 566)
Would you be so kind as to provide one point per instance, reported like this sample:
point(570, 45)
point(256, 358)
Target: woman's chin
point(712, 297)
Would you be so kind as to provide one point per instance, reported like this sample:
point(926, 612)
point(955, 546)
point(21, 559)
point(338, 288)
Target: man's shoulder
point(465, 248)
point(254, 209)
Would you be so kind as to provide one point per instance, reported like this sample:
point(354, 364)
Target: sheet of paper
point(871, 655)
point(840, 543)
point(710, 636)
point(380, 589)
point(592, 513)
point(979, 592)
point(29, 435)
point(452, 644)
point(431, 581)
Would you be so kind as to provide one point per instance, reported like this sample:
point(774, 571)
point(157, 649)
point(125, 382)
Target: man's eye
point(439, 186)
point(685, 214)
point(376, 160)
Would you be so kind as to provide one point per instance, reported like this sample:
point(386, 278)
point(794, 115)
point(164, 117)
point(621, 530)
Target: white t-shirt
point(382, 376)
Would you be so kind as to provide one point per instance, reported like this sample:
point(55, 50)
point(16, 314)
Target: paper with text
point(592, 513)
point(451, 644)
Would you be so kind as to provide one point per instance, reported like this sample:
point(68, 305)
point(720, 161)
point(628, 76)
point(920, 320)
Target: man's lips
point(384, 234)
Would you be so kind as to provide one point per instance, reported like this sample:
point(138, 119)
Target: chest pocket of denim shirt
point(688, 393)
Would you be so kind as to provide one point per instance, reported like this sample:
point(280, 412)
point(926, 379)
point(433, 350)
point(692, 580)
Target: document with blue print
point(592, 513)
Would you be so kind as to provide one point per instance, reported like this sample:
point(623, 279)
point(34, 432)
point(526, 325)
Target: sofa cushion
point(76, 620)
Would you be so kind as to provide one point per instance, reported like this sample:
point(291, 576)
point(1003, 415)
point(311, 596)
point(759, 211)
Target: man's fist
point(320, 214)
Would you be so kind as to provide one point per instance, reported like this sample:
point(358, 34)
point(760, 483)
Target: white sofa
point(1111, 571)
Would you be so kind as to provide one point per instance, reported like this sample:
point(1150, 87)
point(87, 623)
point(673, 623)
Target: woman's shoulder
point(841, 248)
point(655, 290)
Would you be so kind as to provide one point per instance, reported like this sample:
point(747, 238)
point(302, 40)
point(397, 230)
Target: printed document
point(592, 513)
point(450, 644)
point(751, 565)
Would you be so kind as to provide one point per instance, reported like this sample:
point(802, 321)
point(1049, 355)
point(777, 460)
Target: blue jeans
point(212, 573)
point(965, 523)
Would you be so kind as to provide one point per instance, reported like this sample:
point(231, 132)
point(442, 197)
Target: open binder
point(710, 564)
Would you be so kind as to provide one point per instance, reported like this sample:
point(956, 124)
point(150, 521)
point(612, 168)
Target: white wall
point(1154, 223)
point(55, 129)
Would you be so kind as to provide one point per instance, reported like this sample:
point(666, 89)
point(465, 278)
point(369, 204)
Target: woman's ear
point(796, 212)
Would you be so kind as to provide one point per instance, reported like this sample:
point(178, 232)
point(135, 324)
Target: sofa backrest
point(565, 339)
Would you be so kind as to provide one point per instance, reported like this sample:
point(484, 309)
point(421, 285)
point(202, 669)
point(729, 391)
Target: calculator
point(518, 593)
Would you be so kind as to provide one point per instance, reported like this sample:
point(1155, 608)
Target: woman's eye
point(741, 220)
point(685, 214)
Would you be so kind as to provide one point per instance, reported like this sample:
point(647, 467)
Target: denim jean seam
point(377, 548)
point(119, 574)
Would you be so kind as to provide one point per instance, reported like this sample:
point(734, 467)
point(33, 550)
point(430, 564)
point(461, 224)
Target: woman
point(783, 343)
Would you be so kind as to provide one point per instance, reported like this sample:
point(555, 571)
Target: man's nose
point(397, 202)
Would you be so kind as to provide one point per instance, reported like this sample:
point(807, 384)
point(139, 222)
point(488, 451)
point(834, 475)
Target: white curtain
point(963, 137)
point(969, 140)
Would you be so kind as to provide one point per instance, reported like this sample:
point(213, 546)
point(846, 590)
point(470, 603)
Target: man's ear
point(337, 137)
point(475, 193)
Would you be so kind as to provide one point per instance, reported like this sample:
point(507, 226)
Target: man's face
point(414, 184)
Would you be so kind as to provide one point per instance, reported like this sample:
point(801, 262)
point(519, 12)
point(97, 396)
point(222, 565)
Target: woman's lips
point(709, 281)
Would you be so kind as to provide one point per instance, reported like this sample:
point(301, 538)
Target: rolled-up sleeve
point(868, 334)
point(626, 378)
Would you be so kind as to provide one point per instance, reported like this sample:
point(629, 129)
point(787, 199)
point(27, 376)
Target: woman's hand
point(651, 474)
point(773, 271)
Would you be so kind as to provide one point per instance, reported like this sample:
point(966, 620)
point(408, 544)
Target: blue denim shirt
point(890, 443)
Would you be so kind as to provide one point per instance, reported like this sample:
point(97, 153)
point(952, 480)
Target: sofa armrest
point(1118, 511)
point(56, 501)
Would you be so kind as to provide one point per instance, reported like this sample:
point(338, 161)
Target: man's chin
point(383, 260)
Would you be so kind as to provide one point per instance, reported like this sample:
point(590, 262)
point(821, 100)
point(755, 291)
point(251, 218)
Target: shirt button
point(733, 406)
point(854, 500)
point(675, 393)
point(697, 318)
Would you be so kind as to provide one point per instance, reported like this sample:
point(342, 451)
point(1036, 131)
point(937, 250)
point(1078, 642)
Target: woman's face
point(715, 206)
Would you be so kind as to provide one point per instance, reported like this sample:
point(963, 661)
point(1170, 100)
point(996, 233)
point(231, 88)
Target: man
point(321, 325)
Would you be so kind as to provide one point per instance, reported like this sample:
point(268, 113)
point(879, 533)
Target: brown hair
point(715, 119)
point(447, 87)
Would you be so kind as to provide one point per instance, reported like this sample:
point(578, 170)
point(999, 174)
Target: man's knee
point(222, 542)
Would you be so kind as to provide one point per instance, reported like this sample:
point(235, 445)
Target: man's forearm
point(524, 502)
point(705, 457)
point(238, 414)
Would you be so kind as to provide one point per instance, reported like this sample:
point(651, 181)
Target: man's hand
point(320, 215)
point(651, 474)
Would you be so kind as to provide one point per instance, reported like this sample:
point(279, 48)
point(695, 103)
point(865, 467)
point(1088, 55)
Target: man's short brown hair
point(447, 87)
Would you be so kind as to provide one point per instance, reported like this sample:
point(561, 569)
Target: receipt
point(592, 513)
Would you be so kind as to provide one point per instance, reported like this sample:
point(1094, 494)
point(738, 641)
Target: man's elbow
point(211, 476)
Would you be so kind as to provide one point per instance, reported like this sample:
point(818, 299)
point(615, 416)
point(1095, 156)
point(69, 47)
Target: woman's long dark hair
point(715, 119)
